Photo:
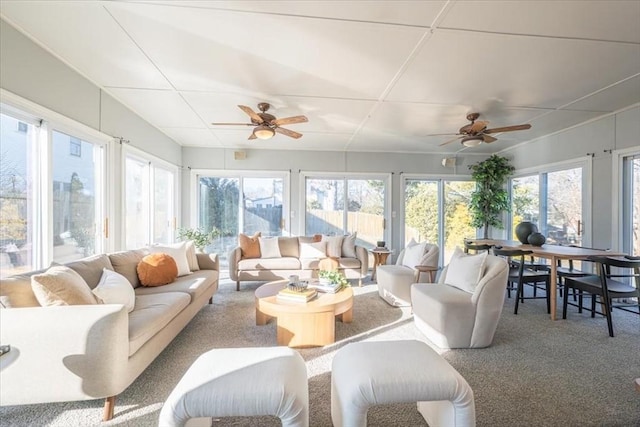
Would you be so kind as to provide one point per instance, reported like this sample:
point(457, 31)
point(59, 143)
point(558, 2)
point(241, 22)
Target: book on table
point(329, 288)
point(292, 295)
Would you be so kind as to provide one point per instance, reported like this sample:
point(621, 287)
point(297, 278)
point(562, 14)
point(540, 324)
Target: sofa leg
point(360, 282)
point(109, 405)
point(211, 300)
point(237, 285)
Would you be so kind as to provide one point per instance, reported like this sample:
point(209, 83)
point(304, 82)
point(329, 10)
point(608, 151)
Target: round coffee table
point(310, 324)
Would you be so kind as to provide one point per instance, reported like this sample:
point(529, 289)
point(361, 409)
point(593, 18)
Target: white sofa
point(394, 280)
point(84, 352)
point(294, 259)
point(451, 317)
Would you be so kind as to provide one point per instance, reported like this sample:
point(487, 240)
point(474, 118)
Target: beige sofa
point(83, 352)
point(297, 256)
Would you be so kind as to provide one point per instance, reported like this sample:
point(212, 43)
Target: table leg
point(553, 286)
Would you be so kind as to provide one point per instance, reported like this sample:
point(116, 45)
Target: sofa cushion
point(269, 247)
point(313, 250)
point(289, 247)
point(413, 254)
point(90, 268)
point(349, 262)
point(465, 270)
point(310, 263)
point(114, 288)
point(349, 246)
point(126, 263)
point(16, 292)
point(177, 251)
point(191, 256)
point(334, 245)
point(60, 285)
point(157, 269)
point(151, 314)
point(287, 263)
point(194, 284)
point(249, 245)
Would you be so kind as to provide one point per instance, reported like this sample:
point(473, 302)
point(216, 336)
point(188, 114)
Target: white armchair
point(394, 281)
point(462, 316)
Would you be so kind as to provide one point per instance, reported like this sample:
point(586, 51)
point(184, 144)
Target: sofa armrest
point(363, 256)
point(64, 353)
point(234, 257)
point(208, 261)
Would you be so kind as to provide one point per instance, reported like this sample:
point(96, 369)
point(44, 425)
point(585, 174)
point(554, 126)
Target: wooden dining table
point(551, 252)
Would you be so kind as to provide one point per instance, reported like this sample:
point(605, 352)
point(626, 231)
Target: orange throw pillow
point(157, 269)
point(250, 246)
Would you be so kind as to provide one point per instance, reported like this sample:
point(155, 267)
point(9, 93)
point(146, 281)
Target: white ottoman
point(383, 372)
point(241, 382)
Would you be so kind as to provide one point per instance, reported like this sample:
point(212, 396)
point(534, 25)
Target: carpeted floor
point(537, 372)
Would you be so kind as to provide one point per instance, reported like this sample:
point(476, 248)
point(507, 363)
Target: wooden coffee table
point(310, 324)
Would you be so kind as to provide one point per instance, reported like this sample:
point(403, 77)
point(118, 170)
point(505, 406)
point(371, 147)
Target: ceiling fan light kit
point(472, 141)
point(263, 132)
point(476, 132)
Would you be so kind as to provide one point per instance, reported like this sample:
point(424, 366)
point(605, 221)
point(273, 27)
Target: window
point(628, 217)
point(436, 211)
point(234, 202)
point(75, 147)
point(338, 206)
point(149, 200)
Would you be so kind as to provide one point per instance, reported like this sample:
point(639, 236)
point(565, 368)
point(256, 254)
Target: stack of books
point(292, 295)
point(329, 288)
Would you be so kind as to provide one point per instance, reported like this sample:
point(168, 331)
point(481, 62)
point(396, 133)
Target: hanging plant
point(490, 199)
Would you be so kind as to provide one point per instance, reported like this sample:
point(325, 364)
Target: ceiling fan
point(266, 125)
point(476, 132)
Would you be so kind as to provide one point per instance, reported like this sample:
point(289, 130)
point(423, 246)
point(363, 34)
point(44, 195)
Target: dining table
point(553, 253)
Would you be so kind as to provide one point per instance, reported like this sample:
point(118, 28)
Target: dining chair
point(475, 247)
point(520, 274)
point(569, 270)
point(608, 285)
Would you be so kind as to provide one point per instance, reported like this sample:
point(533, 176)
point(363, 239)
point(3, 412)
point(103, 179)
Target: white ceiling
point(370, 75)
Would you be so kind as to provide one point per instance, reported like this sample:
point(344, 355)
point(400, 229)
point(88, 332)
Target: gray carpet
point(537, 373)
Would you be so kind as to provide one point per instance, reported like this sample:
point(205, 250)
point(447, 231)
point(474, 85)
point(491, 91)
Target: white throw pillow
point(177, 251)
point(269, 247)
point(114, 288)
point(334, 245)
point(313, 250)
point(349, 246)
point(413, 254)
point(465, 270)
point(192, 258)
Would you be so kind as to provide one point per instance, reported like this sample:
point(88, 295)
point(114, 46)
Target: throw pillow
point(192, 258)
point(313, 250)
point(249, 246)
point(157, 269)
point(61, 285)
point(349, 245)
point(178, 252)
point(334, 245)
point(413, 254)
point(465, 270)
point(269, 247)
point(126, 263)
point(114, 288)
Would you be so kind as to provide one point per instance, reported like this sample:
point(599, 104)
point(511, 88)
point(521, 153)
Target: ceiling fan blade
point(290, 120)
point(451, 140)
point(254, 116)
point(488, 138)
point(233, 124)
point(508, 128)
point(288, 132)
point(252, 136)
point(478, 126)
point(443, 134)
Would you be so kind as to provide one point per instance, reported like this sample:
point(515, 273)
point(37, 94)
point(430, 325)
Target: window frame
point(618, 225)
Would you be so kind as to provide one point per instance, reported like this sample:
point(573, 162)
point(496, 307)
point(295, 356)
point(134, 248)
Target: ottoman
point(384, 372)
point(241, 382)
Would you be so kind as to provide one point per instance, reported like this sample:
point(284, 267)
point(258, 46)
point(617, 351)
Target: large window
point(52, 190)
point(338, 206)
point(240, 202)
point(554, 200)
point(149, 201)
point(437, 211)
point(629, 190)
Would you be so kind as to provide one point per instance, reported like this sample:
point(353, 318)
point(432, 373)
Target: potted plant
point(333, 276)
point(200, 238)
point(490, 199)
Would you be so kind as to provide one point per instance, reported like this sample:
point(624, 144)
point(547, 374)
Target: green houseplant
point(200, 238)
point(490, 199)
point(334, 277)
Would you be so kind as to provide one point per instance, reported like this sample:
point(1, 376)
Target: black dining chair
point(520, 274)
point(569, 270)
point(475, 247)
point(618, 278)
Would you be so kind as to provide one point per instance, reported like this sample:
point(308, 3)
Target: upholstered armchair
point(462, 310)
point(417, 262)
